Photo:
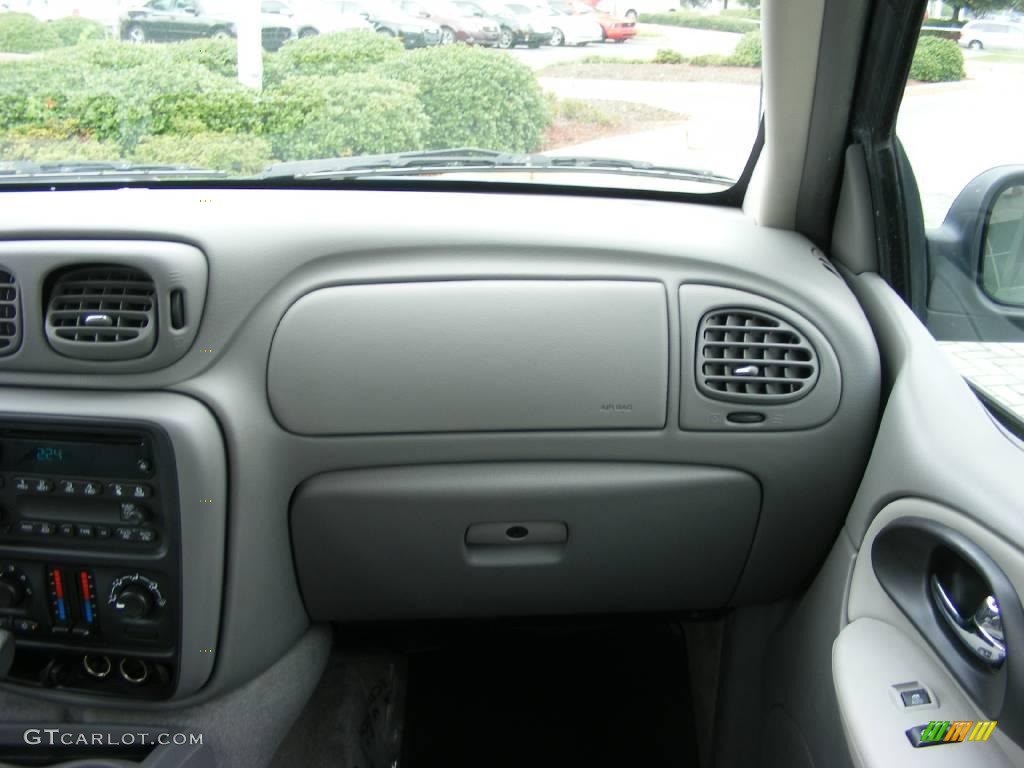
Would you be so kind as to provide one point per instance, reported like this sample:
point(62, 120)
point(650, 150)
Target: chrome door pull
point(981, 633)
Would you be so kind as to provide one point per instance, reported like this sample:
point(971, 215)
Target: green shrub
point(313, 117)
point(73, 30)
point(937, 60)
point(22, 33)
point(701, 21)
point(748, 51)
point(711, 60)
point(474, 97)
point(220, 56)
point(46, 150)
point(342, 53)
point(742, 13)
point(668, 56)
point(236, 154)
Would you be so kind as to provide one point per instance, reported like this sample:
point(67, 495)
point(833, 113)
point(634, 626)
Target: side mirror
point(976, 261)
point(1002, 265)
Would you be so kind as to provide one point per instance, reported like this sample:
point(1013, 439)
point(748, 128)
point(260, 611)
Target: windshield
point(521, 92)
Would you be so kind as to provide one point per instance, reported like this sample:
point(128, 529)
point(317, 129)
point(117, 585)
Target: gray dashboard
point(271, 253)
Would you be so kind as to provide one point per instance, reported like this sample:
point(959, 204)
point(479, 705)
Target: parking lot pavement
point(954, 131)
point(717, 121)
point(651, 38)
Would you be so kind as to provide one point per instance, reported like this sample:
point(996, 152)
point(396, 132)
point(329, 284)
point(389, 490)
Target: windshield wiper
point(475, 160)
point(19, 171)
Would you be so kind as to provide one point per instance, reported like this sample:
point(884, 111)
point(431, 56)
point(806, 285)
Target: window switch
point(915, 697)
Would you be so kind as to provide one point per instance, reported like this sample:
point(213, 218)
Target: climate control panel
point(89, 558)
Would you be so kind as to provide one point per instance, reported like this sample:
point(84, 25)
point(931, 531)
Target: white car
point(994, 34)
point(631, 9)
point(311, 17)
point(569, 29)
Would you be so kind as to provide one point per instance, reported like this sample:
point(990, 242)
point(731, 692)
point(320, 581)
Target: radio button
point(42, 485)
point(124, 534)
point(132, 513)
point(89, 488)
point(21, 484)
point(84, 531)
point(66, 529)
point(67, 488)
point(102, 532)
point(145, 535)
point(27, 528)
point(139, 491)
point(46, 529)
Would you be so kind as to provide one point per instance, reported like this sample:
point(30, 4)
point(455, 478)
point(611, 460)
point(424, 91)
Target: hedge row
point(746, 54)
point(180, 102)
point(701, 21)
point(24, 33)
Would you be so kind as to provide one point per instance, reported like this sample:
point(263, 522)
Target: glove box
point(519, 539)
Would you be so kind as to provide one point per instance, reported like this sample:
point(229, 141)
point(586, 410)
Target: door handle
point(982, 633)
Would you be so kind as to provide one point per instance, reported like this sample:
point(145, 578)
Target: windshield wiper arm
point(464, 160)
point(92, 170)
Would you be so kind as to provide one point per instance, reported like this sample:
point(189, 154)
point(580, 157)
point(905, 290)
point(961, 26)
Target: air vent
point(102, 313)
point(748, 356)
point(10, 316)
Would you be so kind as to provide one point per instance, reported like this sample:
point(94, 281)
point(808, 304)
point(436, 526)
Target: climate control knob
point(12, 592)
point(13, 587)
point(135, 596)
point(134, 602)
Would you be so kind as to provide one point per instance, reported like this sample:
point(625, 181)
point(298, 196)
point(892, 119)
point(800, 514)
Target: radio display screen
point(127, 459)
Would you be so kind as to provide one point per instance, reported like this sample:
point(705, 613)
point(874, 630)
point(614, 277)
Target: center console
point(112, 541)
point(90, 583)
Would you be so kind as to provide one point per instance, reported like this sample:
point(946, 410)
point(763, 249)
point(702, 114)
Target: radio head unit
point(89, 557)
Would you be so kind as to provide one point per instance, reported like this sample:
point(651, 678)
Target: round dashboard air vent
point(10, 316)
point(753, 357)
point(102, 313)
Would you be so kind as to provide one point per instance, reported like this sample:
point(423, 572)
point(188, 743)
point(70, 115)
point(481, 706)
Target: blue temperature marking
point(88, 613)
point(60, 610)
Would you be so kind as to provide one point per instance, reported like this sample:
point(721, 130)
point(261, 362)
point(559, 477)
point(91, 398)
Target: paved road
point(651, 38)
point(954, 131)
point(717, 122)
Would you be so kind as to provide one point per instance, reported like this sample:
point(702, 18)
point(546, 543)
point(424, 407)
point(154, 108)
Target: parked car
point(389, 19)
point(517, 24)
point(175, 20)
point(312, 17)
point(456, 24)
point(992, 34)
point(570, 29)
point(613, 28)
point(631, 9)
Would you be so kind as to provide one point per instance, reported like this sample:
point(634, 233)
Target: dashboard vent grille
point(10, 317)
point(749, 356)
point(102, 313)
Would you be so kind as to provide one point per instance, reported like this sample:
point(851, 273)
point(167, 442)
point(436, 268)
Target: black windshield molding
point(893, 30)
point(731, 197)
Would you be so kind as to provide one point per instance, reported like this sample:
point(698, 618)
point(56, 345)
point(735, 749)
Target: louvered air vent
point(102, 313)
point(10, 317)
point(748, 356)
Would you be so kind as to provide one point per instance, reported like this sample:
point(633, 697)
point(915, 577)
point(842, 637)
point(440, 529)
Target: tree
point(985, 7)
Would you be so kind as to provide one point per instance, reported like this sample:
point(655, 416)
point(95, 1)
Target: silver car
point(992, 34)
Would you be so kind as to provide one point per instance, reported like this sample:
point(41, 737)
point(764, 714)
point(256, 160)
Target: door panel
point(942, 464)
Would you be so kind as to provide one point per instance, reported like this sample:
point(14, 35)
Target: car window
point(962, 135)
point(548, 98)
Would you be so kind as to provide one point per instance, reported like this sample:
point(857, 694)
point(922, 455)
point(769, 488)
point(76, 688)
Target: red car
point(612, 27)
